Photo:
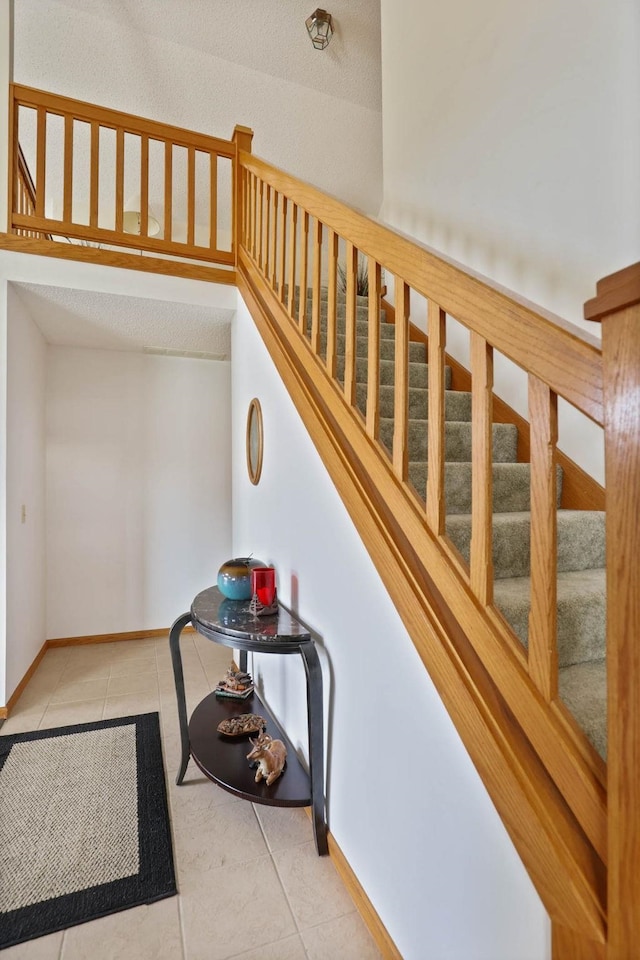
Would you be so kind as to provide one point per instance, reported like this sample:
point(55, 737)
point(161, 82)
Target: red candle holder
point(263, 588)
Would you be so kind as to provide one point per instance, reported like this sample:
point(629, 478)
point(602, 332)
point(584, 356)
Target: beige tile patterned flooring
point(250, 885)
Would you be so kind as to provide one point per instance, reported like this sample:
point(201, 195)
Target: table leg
point(316, 742)
point(176, 659)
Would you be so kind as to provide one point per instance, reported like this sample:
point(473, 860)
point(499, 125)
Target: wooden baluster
point(255, 239)
point(435, 496)
point(247, 206)
point(543, 650)
point(264, 240)
point(144, 186)
point(259, 209)
point(67, 176)
point(94, 174)
point(41, 160)
point(191, 196)
point(293, 239)
point(617, 305)
point(332, 290)
point(482, 472)
point(373, 350)
point(168, 190)
point(213, 202)
point(282, 255)
point(351, 270)
point(273, 239)
point(315, 283)
point(14, 166)
point(401, 375)
point(304, 266)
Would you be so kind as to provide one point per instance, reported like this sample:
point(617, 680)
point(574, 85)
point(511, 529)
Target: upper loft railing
point(83, 175)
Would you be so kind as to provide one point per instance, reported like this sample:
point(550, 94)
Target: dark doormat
point(84, 825)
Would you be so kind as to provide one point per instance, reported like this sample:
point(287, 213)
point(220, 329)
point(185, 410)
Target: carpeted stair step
point(511, 486)
point(457, 405)
point(580, 541)
point(583, 689)
point(417, 351)
point(457, 440)
point(581, 612)
point(418, 372)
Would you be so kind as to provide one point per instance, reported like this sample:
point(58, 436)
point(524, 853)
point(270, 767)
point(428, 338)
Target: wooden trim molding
point(73, 642)
point(111, 637)
point(115, 258)
point(568, 945)
point(17, 693)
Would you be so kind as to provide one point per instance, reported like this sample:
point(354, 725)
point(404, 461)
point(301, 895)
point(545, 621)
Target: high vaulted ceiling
point(268, 37)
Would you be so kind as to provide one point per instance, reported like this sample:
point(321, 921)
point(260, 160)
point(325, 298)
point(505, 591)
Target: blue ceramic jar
point(234, 577)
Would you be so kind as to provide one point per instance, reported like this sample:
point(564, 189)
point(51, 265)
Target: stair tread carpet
point(581, 612)
point(511, 485)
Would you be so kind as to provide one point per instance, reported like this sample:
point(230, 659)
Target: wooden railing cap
point(616, 292)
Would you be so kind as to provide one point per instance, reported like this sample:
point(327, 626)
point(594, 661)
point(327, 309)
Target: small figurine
point(235, 685)
point(258, 609)
point(271, 756)
point(241, 725)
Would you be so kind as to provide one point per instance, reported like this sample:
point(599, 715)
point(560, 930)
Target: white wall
point(6, 77)
point(405, 803)
point(138, 487)
point(25, 424)
point(511, 143)
point(4, 321)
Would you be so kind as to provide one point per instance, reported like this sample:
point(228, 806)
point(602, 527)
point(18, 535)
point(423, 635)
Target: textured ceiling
point(107, 321)
point(267, 37)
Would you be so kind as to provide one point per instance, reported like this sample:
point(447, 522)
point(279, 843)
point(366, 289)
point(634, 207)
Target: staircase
point(581, 533)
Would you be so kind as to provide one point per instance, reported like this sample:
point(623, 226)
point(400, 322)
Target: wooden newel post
point(617, 305)
point(242, 137)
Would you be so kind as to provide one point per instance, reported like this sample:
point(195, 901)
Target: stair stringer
point(560, 847)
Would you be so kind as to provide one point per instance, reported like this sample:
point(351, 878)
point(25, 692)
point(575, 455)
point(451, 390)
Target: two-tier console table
point(223, 760)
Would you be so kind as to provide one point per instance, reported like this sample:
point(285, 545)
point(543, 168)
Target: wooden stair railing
point(291, 239)
point(574, 820)
point(92, 161)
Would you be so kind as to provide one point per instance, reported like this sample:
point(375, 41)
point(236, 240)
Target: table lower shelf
point(224, 759)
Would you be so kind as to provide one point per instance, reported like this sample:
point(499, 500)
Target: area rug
point(84, 825)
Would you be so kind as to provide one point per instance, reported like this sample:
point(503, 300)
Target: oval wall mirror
point(255, 440)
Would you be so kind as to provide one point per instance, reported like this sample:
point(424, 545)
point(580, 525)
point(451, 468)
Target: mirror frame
point(254, 437)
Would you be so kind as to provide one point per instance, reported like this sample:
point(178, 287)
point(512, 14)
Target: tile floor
point(250, 883)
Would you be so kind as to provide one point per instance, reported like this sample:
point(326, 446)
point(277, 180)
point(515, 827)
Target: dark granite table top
point(232, 618)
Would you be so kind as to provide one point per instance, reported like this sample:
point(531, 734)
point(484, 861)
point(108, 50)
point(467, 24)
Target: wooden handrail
point(117, 120)
point(557, 352)
point(615, 292)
